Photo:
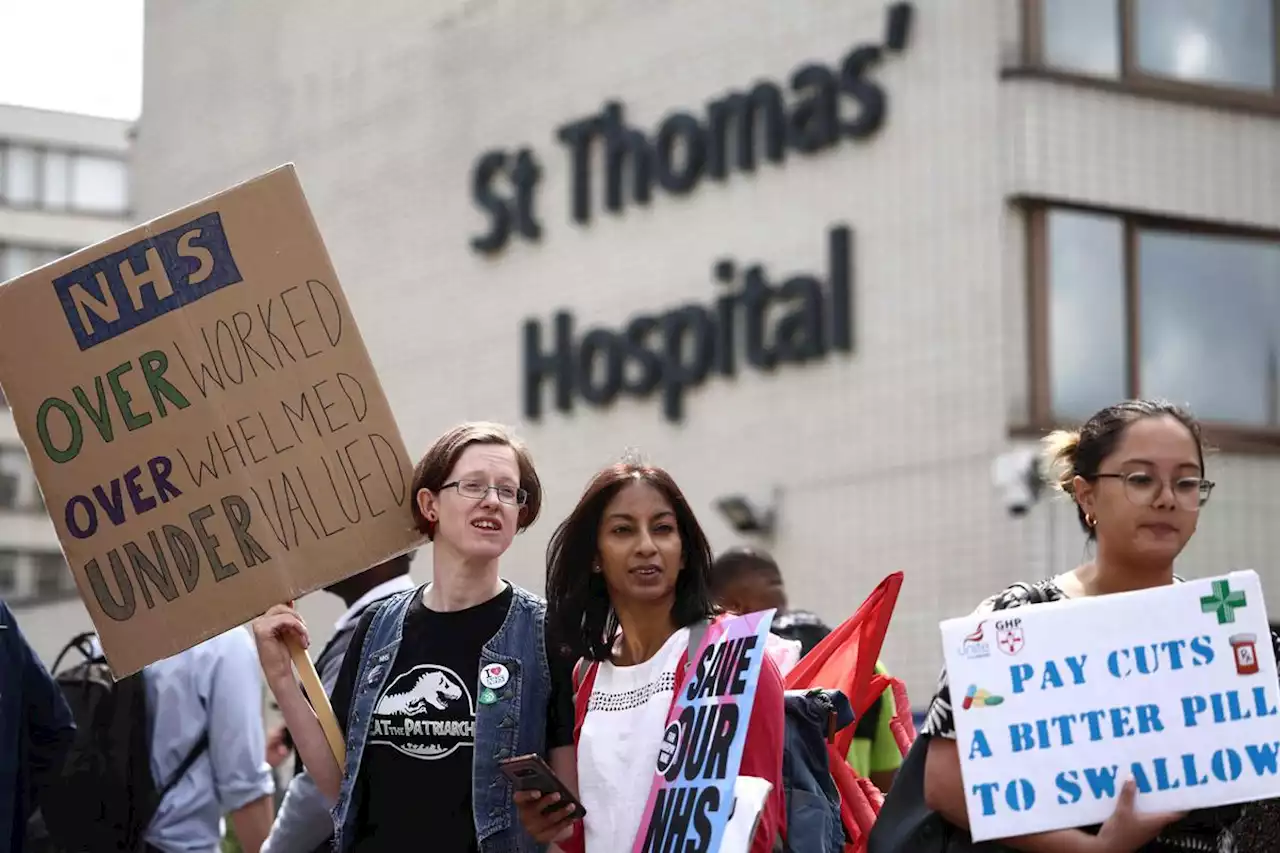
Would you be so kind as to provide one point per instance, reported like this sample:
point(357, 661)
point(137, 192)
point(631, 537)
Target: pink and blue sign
point(692, 797)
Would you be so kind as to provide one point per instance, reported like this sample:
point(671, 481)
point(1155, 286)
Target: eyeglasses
point(475, 490)
point(1141, 488)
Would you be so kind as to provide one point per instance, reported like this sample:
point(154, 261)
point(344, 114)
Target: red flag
point(845, 660)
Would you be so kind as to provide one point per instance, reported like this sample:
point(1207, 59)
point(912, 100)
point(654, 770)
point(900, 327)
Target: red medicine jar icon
point(1245, 649)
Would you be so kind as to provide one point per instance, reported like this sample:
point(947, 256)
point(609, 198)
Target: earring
point(431, 516)
point(1090, 520)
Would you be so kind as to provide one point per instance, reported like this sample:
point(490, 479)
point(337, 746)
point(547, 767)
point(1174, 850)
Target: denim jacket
point(514, 725)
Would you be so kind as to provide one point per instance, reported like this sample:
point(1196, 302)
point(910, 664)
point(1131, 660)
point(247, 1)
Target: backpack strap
point(198, 750)
point(584, 678)
point(83, 643)
point(579, 672)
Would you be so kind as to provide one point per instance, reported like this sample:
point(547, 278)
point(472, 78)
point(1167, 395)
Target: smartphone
point(531, 773)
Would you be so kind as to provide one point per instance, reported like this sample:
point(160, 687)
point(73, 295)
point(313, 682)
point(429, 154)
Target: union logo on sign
point(1010, 639)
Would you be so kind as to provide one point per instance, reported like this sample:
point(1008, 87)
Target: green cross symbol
point(1223, 602)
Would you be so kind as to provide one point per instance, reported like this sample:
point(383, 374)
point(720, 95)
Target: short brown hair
point(434, 467)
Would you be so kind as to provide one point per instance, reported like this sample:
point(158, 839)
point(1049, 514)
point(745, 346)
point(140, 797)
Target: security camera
point(746, 516)
point(1019, 480)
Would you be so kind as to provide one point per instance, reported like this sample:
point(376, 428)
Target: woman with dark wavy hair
point(628, 575)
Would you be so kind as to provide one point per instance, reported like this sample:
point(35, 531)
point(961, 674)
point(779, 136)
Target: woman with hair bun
point(1136, 472)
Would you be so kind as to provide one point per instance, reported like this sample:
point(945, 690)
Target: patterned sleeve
point(939, 720)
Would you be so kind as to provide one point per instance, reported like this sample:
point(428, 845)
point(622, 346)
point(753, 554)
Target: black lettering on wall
point(818, 107)
point(802, 320)
point(506, 212)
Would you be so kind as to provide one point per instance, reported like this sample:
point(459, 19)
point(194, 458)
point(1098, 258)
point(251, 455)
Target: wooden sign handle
point(319, 701)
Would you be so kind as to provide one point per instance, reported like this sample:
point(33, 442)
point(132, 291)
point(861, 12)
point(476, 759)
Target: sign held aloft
point(1057, 705)
point(203, 419)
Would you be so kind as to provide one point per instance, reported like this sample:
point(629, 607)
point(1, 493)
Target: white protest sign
point(1056, 705)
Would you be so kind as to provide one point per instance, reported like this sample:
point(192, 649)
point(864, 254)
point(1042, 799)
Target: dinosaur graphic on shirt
point(426, 712)
point(432, 688)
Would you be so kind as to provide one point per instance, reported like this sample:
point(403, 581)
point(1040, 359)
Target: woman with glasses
point(442, 682)
point(1136, 472)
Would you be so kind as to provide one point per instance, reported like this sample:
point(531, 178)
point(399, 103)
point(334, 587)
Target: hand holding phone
point(547, 807)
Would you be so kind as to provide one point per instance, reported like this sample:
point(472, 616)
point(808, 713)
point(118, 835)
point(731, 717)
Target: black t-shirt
point(414, 787)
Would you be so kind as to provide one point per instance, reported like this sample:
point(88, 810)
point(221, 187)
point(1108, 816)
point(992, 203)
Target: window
point(1136, 306)
point(1207, 41)
point(57, 180)
point(20, 176)
point(13, 463)
point(99, 184)
point(10, 484)
point(16, 260)
point(52, 575)
point(1082, 35)
point(63, 180)
point(8, 573)
point(1228, 45)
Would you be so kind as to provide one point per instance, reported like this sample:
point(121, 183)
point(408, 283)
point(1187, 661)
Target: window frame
point(1132, 79)
point(72, 152)
point(1239, 438)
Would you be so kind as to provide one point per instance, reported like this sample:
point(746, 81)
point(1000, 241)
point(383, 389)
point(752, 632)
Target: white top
point(618, 746)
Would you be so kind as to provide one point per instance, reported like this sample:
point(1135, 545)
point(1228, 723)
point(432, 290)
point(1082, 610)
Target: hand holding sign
point(1128, 829)
point(204, 420)
point(282, 641)
point(1167, 687)
point(275, 632)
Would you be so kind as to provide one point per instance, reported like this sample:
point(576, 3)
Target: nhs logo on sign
point(125, 289)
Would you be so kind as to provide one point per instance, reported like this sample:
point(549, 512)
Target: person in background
point(36, 727)
point(212, 689)
point(746, 580)
point(628, 575)
point(303, 822)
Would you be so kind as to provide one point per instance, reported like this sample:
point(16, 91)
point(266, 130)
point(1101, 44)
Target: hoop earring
point(1090, 521)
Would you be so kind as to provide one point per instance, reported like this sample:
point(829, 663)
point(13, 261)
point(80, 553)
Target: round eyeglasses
point(1141, 488)
point(475, 490)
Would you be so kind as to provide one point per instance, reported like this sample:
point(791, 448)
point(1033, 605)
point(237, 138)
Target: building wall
point(881, 459)
point(62, 187)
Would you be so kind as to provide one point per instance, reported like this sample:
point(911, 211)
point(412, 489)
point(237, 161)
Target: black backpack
point(105, 797)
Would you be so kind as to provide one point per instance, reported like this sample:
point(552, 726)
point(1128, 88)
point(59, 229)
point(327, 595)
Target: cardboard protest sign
point(692, 797)
point(203, 419)
point(1057, 705)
